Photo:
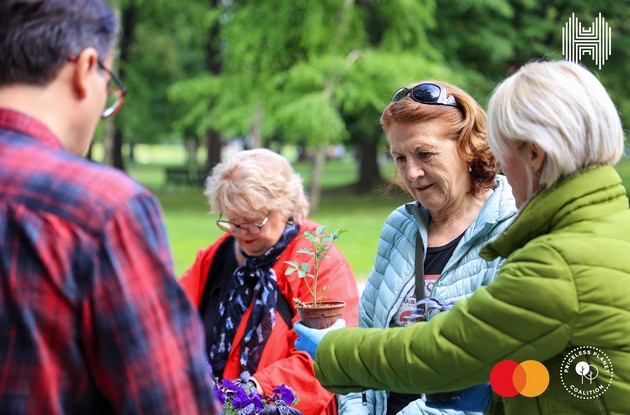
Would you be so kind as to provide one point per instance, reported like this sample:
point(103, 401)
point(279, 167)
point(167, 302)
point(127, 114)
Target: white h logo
point(595, 41)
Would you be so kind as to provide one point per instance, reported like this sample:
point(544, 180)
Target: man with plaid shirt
point(91, 317)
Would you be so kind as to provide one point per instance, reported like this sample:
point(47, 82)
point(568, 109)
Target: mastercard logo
point(509, 378)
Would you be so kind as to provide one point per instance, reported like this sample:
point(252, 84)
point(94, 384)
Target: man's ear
point(86, 68)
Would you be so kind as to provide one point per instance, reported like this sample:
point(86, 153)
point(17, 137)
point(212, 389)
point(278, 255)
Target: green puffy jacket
point(565, 283)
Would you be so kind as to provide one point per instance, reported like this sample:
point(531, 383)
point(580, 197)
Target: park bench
point(184, 176)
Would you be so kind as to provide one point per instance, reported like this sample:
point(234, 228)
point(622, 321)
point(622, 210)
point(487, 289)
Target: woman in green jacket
point(563, 295)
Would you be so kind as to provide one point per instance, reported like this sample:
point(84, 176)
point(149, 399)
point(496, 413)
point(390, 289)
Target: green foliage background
point(312, 71)
point(317, 72)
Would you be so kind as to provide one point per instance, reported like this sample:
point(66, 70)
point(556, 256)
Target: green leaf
point(337, 233)
point(326, 239)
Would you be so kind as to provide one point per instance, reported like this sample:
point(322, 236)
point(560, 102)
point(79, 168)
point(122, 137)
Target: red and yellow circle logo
point(509, 378)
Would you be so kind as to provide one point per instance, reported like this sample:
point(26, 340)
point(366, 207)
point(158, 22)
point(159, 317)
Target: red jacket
point(280, 362)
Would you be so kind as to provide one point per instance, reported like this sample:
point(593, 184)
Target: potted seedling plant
point(318, 314)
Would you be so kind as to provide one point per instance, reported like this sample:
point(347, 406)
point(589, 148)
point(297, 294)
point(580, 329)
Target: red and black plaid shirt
point(91, 317)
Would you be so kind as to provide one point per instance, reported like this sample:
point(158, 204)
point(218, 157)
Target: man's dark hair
point(38, 36)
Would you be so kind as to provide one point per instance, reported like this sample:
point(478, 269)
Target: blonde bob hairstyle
point(466, 124)
point(564, 109)
point(253, 183)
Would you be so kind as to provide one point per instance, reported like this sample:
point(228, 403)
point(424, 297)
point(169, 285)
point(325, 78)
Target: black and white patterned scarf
point(255, 282)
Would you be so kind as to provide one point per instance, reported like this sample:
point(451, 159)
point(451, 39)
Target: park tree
point(312, 72)
point(488, 40)
point(159, 44)
point(262, 44)
point(316, 73)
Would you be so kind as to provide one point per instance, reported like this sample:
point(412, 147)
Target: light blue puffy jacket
point(393, 276)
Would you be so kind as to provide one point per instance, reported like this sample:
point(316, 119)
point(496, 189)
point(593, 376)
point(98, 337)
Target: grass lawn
point(191, 227)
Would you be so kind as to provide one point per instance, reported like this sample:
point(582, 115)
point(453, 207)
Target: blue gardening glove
point(309, 338)
point(474, 399)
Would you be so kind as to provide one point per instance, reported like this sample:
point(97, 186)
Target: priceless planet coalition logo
point(586, 372)
point(509, 378)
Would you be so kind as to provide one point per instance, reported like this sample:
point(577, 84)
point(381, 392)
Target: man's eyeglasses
point(115, 93)
point(431, 94)
point(251, 228)
point(115, 96)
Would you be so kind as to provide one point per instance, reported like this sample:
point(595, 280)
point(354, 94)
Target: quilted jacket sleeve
point(528, 312)
point(352, 403)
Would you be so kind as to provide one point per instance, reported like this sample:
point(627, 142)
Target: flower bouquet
point(242, 398)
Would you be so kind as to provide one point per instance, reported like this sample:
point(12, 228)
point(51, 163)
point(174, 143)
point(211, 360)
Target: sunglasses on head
point(431, 94)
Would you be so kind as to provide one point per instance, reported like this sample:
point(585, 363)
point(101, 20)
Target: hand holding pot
point(309, 339)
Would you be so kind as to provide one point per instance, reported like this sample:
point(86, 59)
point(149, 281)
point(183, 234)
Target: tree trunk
point(192, 145)
point(256, 128)
point(132, 154)
point(369, 170)
point(213, 147)
point(302, 150)
point(108, 143)
point(214, 65)
point(315, 189)
point(320, 156)
point(113, 142)
point(113, 135)
point(119, 162)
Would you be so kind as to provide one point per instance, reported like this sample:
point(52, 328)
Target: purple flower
point(248, 410)
point(242, 398)
point(285, 393)
point(229, 385)
point(257, 400)
point(219, 393)
point(280, 408)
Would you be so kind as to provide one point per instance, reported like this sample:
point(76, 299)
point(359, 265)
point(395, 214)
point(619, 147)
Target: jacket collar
point(585, 195)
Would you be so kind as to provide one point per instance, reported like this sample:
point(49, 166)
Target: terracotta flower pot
point(322, 316)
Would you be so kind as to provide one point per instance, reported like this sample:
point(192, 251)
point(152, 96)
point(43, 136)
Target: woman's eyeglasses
point(431, 94)
point(251, 228)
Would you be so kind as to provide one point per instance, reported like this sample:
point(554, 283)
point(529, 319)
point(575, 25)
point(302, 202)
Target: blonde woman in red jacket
point(239, 285)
